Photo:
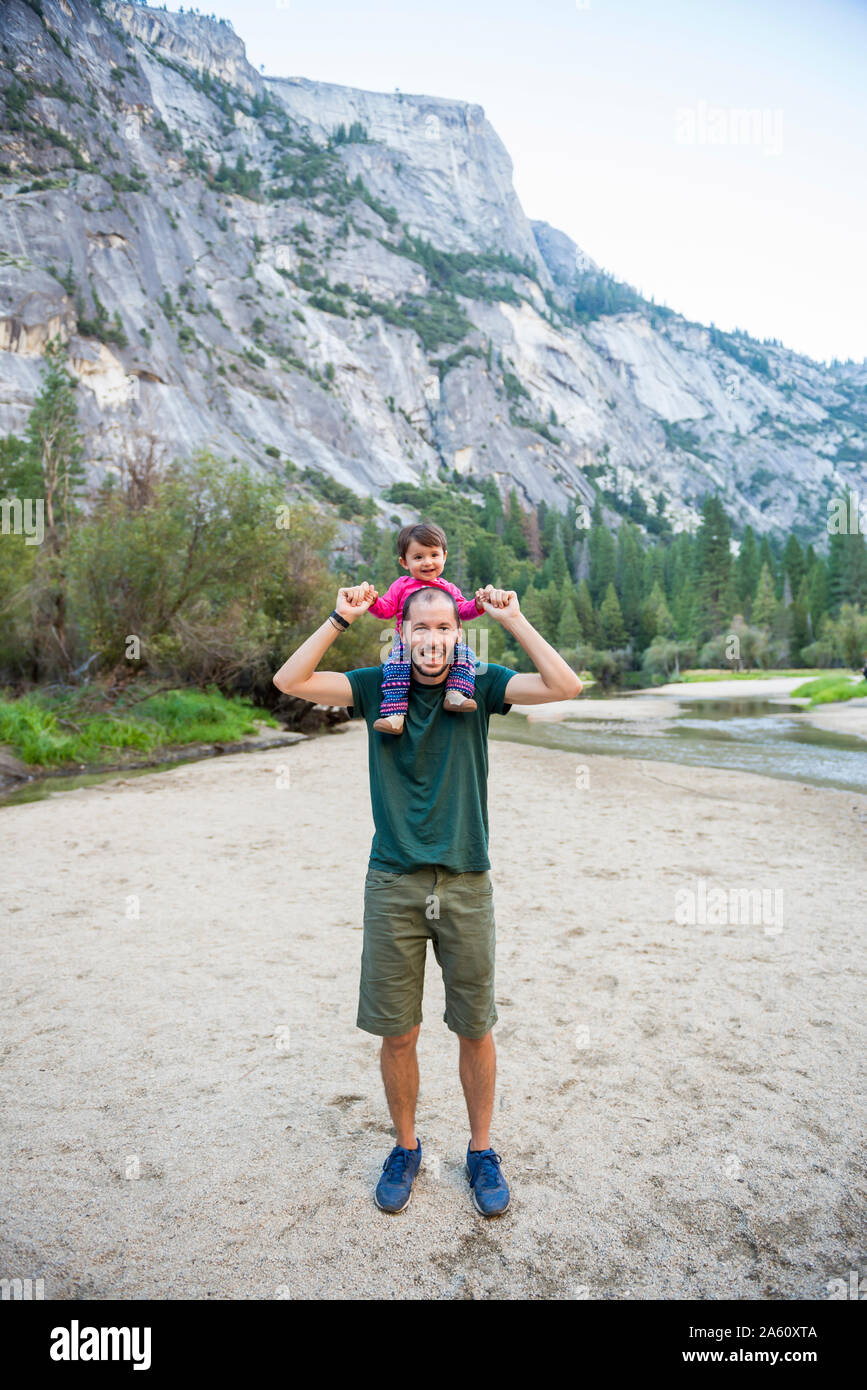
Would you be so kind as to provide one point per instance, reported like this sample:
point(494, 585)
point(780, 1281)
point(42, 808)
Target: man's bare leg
point(398, 1062)
point(478, 1069)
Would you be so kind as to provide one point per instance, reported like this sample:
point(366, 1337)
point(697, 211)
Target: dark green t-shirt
point(429, 784)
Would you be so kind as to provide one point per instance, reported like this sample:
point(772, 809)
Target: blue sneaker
point(394, 1188)
point(490, 1191)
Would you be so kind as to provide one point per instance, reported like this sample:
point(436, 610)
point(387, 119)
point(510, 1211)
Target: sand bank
point(192, 1113)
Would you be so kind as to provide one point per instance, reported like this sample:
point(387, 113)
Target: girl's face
point(424, 561)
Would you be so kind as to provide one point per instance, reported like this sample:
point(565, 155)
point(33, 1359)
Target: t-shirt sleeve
point(364, 683)
point(498, 678)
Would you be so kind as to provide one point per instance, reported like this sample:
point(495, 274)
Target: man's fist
point(499, 603)
point(355, 600)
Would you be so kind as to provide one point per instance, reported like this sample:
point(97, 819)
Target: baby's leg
point(395, 690)
point(461, 681)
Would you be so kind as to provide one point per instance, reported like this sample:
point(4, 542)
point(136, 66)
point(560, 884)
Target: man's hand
point(354, 601)
point(500, 604)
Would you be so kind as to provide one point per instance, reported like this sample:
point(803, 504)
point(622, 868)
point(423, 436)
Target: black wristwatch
point(342, 621)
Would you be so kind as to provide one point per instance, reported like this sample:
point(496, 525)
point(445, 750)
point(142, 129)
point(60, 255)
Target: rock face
point(280, 269)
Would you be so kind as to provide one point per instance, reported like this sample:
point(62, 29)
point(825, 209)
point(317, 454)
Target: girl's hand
point(500, 603)
point(355, 600)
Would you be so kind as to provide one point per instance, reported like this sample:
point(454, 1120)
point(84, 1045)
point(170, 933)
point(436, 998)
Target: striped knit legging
point(396, 674)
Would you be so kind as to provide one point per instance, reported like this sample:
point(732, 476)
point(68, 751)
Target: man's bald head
point(428, 595)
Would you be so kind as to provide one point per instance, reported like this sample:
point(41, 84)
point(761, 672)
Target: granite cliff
point(286, 270)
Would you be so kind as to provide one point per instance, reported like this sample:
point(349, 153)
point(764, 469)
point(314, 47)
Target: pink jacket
point(390, 604)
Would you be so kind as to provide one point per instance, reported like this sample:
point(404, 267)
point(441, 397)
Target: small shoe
point(389, 724)
point(458, 703)
point(399, 1170)
point(489, 1189)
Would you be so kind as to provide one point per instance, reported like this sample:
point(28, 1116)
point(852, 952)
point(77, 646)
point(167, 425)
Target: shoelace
point(487, 1168)
point(396, 1163)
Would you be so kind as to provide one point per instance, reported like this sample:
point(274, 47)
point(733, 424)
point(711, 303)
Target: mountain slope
point(280, 268)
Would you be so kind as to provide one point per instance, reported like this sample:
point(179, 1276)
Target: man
point(429, 872)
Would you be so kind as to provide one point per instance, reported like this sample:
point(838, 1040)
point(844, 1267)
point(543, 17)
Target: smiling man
point(429, 873)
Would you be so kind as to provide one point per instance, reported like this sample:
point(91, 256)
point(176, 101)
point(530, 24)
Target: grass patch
point(723, 674)
point(56, 730)
point(832, 688)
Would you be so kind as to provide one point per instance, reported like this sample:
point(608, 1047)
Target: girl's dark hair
point(425, 532)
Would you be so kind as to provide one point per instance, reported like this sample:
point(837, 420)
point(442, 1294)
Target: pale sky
point(621, 118)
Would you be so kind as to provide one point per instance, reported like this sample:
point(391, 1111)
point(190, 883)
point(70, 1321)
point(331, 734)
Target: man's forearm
point(302, 663)
point(556, 673)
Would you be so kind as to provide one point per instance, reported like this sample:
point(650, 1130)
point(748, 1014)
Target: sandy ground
point(615, 707)
point(192, 1113)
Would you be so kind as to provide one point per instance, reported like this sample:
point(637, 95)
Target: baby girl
point(422, 551)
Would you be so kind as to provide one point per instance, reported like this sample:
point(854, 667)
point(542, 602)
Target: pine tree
point(766, 557)
point(551, 606)
point(569, 630)
point(531, 607)
point(656, 619)
point(53, 448)
point(847, 569)
point(584, 609)
point(817, 580)
point(765, 602)
point(458, 564)
point(715, 593)
point(603, 556)
point(747, 570)
point(386, 566)
point(51, 464)
point(559, 568)
point(533, 539)
point(493, 519)
point(513, 531)
point(548, 522)
point(793, 562)
point(799, 634)
point(611, 619)
point(629, 572)
point(665, 625)
point(368, 543)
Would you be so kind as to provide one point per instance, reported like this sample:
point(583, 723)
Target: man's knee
point(475, 1042)
point(401, 1041)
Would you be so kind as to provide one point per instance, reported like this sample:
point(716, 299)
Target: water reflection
point(740, 735)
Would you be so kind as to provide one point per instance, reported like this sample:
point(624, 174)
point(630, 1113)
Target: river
point(742, 733)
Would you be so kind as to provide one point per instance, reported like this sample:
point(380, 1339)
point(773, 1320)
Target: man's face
point(429, 634)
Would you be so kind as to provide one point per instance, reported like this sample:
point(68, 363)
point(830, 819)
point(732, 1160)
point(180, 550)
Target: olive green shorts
point(402, 912)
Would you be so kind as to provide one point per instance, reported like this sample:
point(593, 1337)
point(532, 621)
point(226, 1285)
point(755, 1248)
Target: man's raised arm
point(555, 680)
point(299, 676)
